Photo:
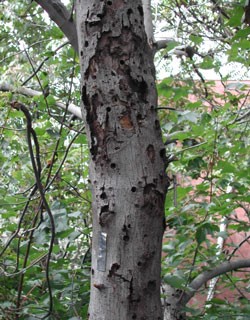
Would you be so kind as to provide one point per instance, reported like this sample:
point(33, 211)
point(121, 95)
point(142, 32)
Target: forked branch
point(205, 276)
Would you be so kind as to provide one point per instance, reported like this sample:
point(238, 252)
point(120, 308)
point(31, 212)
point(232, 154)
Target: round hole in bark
point(109, 3)
point(86, 44)
point(129, 225)
point(129, 11)
point(162, 153)
point(81, 53)
point(152, 285)
point(134, 316)
point(139, 263)
point(113, 166)
point(133, 189)
point(126, 238)
point(103, 196)
point(108, 109)
point(157, 124)
point(122, 62)
point(139, 118)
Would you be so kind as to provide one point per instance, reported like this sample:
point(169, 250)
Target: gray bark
point(172, 304)
point(127, 166)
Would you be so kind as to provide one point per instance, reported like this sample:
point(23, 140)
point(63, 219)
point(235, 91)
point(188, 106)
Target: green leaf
point(189, 116)
point(207, 63)
point(196, 39)
point(235, 19)
point(174, 281)
point(200, 235)
point(217, 301)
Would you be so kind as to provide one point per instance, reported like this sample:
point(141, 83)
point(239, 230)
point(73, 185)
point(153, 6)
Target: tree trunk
point(127, 165)
point(172, 304)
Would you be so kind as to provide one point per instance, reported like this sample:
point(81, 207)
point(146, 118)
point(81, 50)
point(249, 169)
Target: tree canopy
point(206, 134)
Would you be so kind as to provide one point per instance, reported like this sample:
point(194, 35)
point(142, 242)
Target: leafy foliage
point(206, 128)
point(29, 40)
point(206, 134)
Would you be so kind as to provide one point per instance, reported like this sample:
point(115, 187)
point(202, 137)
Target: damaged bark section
point(127, 166)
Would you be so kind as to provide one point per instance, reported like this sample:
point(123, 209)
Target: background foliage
point(206, 135)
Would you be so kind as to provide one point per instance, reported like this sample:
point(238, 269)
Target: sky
point(236, 71)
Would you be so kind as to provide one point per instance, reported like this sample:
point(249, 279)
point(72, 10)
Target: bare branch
point(205, 276)
point(247, 114)
point(163, 43)
point(238, 247)
point(219, 8)
point(63, 18)
point(72, 108)
point(42, 63)
point(148, 21)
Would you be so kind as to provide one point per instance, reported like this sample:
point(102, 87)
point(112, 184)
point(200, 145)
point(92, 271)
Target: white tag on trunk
point(102, 252)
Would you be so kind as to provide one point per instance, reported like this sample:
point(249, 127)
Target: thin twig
point(42, 63)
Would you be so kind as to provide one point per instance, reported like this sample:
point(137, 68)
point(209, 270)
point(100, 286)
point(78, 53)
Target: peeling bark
point(127, 166)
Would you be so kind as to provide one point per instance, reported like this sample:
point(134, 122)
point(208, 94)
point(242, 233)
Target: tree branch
point(63, 18)
point(148, 21)
point(205, 276)
point(163, 43)
point(42, 63)
point(72, 108)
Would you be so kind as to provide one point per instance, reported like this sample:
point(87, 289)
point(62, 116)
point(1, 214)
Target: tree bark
point(127, 165)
